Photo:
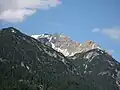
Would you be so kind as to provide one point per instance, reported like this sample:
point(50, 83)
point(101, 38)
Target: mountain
point(26, 64)
point(29, 64)
point(98, 68)
point(64, 44)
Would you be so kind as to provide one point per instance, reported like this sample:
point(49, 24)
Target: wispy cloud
point(96, 30)
point(18, 10)
point(111, 51)
point(113, 33)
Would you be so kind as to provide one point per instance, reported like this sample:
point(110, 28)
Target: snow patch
point(63, 60)
point(50, 39)
point(118, 83)
point(22, 64)
point(35, 36)
point(2, 60)
point(110, 62)
point(53, 46)
point(113, 76)
point(83, 64)
point(13, 30)
point(103, 73)
point(13, 67)
point(64, 51)
point(102, 52)
point(118, 75)
point(21, 80)
point(50, 54)
point(27, 67)
point(93, 46)
point(90, 56)
point(86, 66)
point(84, 72)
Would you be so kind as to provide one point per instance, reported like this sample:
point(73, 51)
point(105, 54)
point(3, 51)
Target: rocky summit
point(64, 44)
point(54, 62)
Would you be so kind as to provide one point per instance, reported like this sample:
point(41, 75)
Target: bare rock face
point(64, 44)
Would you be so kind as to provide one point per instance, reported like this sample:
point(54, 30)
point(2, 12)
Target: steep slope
point(64, 44)
point(26, 64)
point(98, 68)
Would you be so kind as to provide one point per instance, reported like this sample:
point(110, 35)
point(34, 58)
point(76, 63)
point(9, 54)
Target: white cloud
point(96, 30)
point(18, 10)
point(113, 33)
point(111, 51)
point(16, 15)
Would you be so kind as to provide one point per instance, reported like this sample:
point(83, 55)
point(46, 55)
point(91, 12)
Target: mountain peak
point(91, 44)
point(64, 44)
point(10, 29)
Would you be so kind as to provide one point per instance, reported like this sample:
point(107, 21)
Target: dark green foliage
point(27, 64)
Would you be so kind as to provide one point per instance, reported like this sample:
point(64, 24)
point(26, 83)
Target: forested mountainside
point(28, 64)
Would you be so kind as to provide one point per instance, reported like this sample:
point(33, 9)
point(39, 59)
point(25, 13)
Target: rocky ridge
point(64, 44)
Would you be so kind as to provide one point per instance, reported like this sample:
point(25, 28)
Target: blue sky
point(97, 20)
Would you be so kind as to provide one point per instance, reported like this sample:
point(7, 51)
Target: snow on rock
point(13, 30)
point(111, 63)
point(35, 36)
point(27, 67)
point(103, 73)
point(118, 83)
point(86, 66)
point(22, 64)
point(65, 45)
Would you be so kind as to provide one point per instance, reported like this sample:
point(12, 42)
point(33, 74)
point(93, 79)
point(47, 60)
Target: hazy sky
point(97, 20)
